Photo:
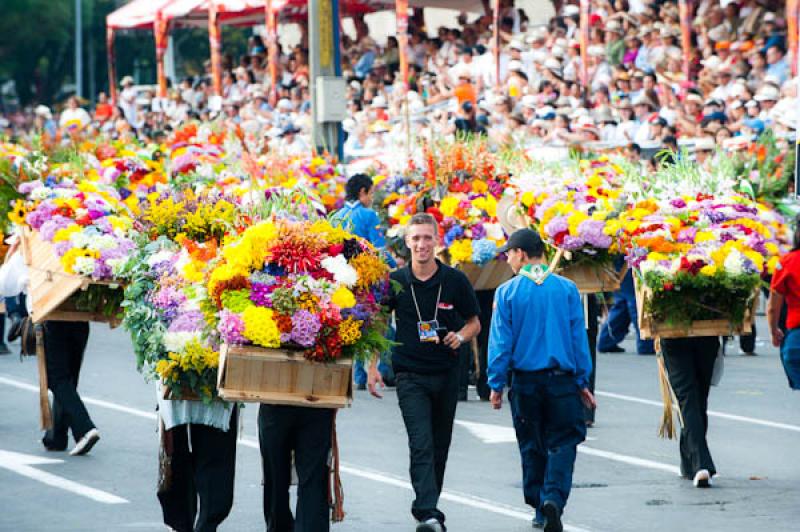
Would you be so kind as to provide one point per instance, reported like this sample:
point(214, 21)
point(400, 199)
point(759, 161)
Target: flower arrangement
point(88, 225)
point(702, 257)
point(306, 285)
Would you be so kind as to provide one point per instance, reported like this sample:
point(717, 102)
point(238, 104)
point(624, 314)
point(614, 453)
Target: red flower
point(668, 286)
point(335, 249)
point(436, 213)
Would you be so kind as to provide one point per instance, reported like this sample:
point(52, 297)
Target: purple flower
point(39, 216)
point(678, 203)
point(62, 247)
point(260, 294)
point(28, 187)
point(188, 322)
point(687, 236)
point(231, 328)
point(571, 243)
point(591, 231)
point(49, 228)
point(478, 231)
point(305, 327)
point(556, 225)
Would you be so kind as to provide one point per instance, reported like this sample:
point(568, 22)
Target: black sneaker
point(15, 330)
point(50, 446)
point(612, 349)
point(552, 517)
point(537, 523)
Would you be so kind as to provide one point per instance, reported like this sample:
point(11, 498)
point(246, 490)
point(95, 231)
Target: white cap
point(529, 101)
point(284, 104)
point(557, 51)
point(712, 63)
point(767, 93)
point(596, 50)
point(553, 64)
point(43, 110)
point(380, 102)
point(515, 45)
point(571, 10)
point(736, 104)
point(515, 66)
point(751, 104)
point(704, 143)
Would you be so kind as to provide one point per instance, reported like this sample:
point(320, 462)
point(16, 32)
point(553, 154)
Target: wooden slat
point(275, 376)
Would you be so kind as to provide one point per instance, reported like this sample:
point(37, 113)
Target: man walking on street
point(538, 334)
point(436, 313)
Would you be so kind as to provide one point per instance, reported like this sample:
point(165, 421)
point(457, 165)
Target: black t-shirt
point(457, 304)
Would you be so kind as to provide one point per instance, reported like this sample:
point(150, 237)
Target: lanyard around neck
point(416, 305)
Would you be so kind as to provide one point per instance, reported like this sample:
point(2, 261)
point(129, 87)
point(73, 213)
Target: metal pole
point(92, 59)
point(324, 60)
point(78, 49)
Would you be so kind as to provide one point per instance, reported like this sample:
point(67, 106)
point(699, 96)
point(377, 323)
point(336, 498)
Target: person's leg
point(275, 432)
point(414, 399)
point(527, 414)
point(564, 429)
point(443, 410)
point(790, 358)
point(747, 342)
point(615, 328)
point(643, 347)
point(214, 457)
point(359, 374)
point(311, 448)
point(591, 333)
point(60, 354)
point(705, 355)
point(485, 301)
point(678, 358)
point(179, 501)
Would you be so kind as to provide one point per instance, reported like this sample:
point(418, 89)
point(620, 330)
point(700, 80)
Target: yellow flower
point(343, 298)
point(350, 331)
point(704, 236)
point(528, 199)
point(64, 234)
point(708, 270)
point(260, 328)
point(449, 205)
point(772, 264)
point(17, 214)
point(461, 251)
point(654, 256)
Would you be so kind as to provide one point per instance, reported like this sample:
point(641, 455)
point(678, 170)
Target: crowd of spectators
point(637, 95)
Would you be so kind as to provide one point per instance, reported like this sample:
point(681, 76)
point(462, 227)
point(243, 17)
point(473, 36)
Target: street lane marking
point(22, 464)
point(714, 413)
point(377, 476)
point(500, 434)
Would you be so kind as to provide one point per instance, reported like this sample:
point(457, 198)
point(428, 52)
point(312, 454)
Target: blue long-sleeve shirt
point(538, 327)
point(363, 222)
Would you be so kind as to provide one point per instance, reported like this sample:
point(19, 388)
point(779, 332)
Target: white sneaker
point(86, 443)
point(702, 479)
point(431, 525)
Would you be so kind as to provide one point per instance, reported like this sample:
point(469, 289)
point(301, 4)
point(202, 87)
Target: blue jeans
point(790, 357)
point(620, 316)
point(548, 420)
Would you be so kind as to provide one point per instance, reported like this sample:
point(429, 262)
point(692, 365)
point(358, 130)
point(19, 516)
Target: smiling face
point(421, 240)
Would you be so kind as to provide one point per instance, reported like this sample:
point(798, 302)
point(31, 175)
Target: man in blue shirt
point(538, 336)
point(357, 217)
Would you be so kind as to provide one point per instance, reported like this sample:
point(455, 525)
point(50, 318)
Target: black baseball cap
point(527, 240)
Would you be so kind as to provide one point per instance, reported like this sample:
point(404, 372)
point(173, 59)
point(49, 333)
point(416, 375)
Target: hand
point(375, 380)
point(496, 398)
point(588, 399)
point(777, 336)
point(452, 341)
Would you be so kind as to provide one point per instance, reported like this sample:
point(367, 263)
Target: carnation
point(342, 272)
point(305, 327)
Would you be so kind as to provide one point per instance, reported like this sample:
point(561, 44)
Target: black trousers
point(428, 404)
point(690, 365)
point(486, 301)
point(593, 315)
point(203, 467)
point(306, 432)
point(65, 342)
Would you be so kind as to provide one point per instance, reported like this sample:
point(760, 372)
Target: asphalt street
point(626, 478)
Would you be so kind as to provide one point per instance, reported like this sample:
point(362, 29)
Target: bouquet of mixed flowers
point(701, 257)
point(88, 225)
point(164, 313)
point(301, 284)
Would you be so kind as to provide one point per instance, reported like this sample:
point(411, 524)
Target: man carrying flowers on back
point(358, 217)
point(436, 313)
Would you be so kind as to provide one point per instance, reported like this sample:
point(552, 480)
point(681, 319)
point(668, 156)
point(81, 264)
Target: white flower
point(342, 272)
point(175, 342)
point(157, 258)
point(734, 262)
point(84, 265)
point(494, 231)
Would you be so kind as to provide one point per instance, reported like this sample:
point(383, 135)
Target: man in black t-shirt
point(436, 313)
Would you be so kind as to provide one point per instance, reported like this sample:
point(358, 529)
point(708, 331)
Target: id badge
point(427, 330)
